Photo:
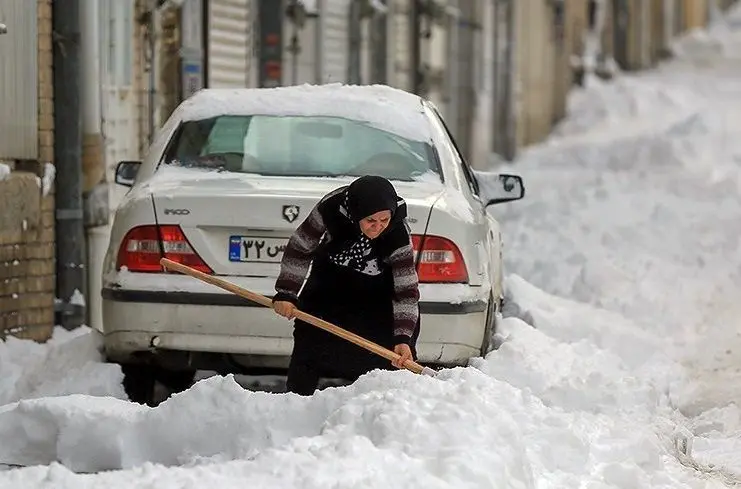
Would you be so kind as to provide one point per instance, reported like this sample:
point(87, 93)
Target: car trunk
point(238, 226)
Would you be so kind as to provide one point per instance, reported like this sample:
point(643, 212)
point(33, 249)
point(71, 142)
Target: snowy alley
point(620, 363)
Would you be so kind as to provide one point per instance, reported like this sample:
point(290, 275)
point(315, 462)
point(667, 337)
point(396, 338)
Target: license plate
point(256, 249)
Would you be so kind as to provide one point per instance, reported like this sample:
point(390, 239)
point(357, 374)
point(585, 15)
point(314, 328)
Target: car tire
point(176, 380)
point(489, 343)
point(139, 382)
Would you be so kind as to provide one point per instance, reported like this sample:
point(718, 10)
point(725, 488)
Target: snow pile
point(643, 222)
point(69, 363)
point(4, 171)
point(77, 298)
point(618, 364)
point(633, 208)
point(716, 448)
point(46, 182)
point(583, 416)
point(649, 103)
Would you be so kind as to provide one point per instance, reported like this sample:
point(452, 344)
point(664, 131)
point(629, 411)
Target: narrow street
point(619, 351)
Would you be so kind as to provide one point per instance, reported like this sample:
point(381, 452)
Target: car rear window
point(298, 146)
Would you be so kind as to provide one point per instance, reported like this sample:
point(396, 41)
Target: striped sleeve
point(406, 293)
point(298, 255)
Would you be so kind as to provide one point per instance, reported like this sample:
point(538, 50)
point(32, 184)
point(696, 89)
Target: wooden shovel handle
point(313, 320)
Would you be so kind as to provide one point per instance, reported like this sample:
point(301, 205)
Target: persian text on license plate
point(256, 249)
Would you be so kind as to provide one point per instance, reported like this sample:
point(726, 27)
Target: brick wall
point(27, 250)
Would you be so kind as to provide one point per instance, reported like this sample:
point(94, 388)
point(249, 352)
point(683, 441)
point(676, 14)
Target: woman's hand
point(405, 353)
point(285, 309)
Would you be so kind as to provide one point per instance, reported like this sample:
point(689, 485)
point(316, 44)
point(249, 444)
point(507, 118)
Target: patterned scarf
point(356, 252)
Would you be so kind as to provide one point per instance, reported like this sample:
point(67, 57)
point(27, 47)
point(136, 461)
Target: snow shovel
point(313, 320)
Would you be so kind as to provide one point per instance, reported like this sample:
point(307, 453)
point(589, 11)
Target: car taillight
point(140, 250)
point(178, 249)
point(144, 246)
point(440, 260)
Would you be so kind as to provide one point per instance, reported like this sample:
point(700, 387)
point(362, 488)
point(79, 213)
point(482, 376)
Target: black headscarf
point(364, 197)
point(370, 194)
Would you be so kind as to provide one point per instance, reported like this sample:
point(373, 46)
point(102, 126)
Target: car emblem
point(290, 212)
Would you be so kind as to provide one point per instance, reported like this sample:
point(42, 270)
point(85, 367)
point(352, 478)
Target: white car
point(231, 175)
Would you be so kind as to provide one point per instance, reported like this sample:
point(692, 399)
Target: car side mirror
point(497, 188)
point(126, 172)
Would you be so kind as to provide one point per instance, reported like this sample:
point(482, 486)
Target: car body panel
point(212, 208)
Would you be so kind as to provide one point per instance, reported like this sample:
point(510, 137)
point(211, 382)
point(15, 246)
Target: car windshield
point(298, 146)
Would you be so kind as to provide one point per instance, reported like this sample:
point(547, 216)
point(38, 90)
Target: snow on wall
point(46, 182)
point(4, 171)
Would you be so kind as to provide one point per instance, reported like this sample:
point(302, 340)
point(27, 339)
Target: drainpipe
point(70, 233)
point(95, 180)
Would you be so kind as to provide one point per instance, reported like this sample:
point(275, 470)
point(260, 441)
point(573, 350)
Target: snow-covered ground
point(620, 364)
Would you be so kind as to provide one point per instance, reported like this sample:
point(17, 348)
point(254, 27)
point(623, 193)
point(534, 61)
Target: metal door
point(229, 45)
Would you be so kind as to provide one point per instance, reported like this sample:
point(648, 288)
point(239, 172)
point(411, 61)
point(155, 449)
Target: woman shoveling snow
point(363, 278)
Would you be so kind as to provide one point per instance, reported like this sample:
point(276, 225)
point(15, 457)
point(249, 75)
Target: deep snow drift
point(634, 207)
point(620, 352)
point(69, 363)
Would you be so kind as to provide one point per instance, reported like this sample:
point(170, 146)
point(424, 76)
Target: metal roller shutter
point(229, 44)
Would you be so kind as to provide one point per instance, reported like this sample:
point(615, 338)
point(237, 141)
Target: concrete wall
point(695, 13)
point(535, 68)
point(577, 28)
point(639, 36)
point(629, 32)
point(607, 34)
point(659, 38)
point(27, 250)
point(547, 37)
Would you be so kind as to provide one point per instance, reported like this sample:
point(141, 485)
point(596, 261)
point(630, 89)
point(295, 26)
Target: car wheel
point(176, 380)
point(138, 382)
point(489, 344)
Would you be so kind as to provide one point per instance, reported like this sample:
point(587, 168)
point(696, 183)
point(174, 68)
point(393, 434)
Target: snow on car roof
point(381, 106)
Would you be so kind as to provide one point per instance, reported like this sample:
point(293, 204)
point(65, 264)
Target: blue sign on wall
point(192, 77)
